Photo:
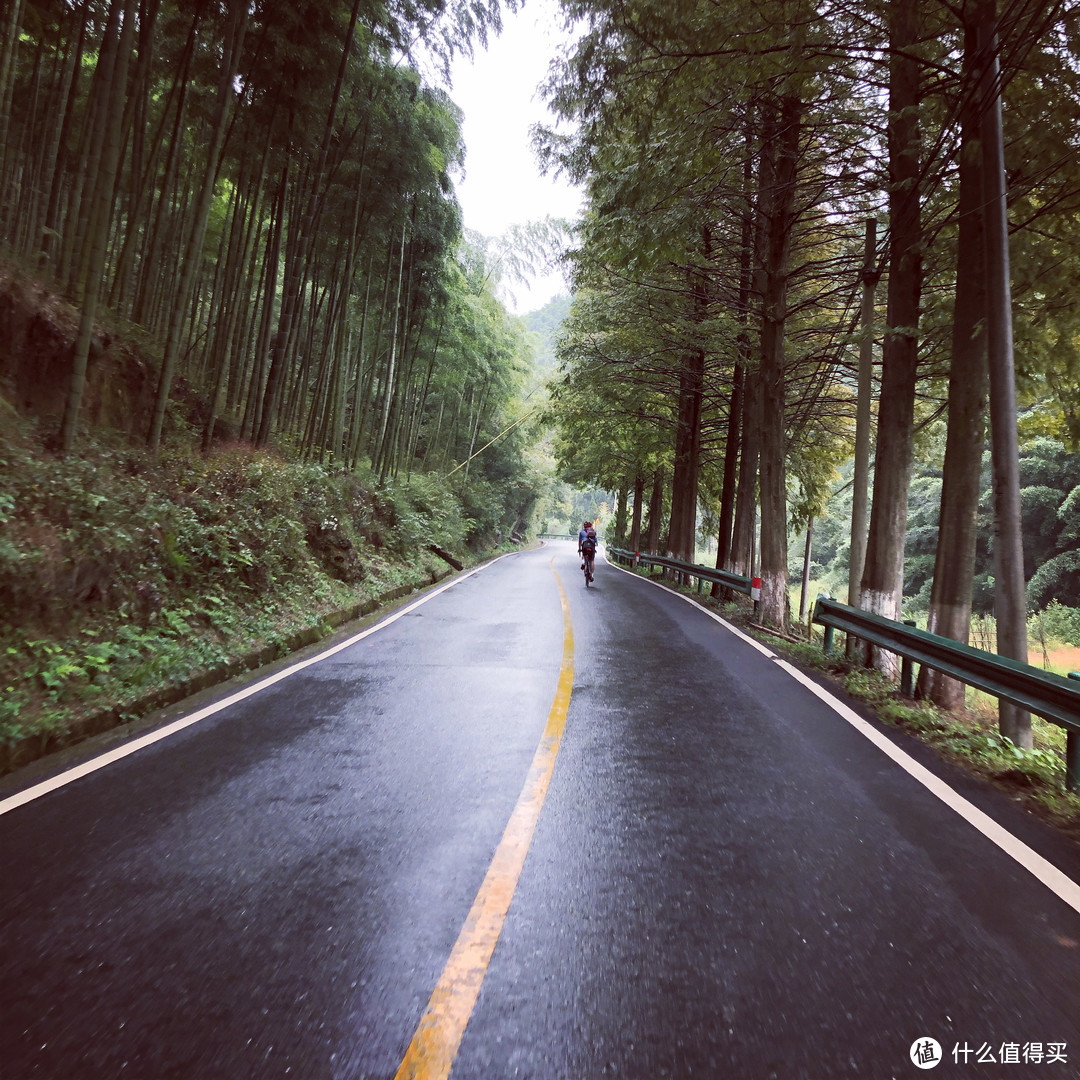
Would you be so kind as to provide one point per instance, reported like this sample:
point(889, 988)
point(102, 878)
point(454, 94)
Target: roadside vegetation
point(799, 266)
point(124, 574)
point(252, 368)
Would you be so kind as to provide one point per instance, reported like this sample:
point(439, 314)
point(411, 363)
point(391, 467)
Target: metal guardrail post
point(1072, 753)
point(907, 670)
point(827, 645)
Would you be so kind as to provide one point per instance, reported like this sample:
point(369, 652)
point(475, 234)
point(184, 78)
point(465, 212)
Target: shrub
point(1057, 623)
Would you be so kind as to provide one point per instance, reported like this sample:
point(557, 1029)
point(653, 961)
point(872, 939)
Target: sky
point(498, 92)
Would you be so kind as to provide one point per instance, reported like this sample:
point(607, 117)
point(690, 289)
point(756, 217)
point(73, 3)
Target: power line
point(496, 439)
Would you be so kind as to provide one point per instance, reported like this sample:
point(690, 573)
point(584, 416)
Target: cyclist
point(583, 533)
point(587, 548)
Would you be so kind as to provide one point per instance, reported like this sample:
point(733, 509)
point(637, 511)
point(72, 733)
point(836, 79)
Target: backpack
point(589, 543)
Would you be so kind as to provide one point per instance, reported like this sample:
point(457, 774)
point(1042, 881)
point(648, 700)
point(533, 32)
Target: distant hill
point(545, 323)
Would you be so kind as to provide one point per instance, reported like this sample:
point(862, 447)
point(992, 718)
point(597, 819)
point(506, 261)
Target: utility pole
point(861, 479)
point(1010, 595)
point(803, 599)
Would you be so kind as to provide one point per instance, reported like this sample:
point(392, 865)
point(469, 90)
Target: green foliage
point(121, 573)
point(1059, 576)
point(1050, 509)
point(1056, 623)
point(423, 511)
point(479, 424)
point(611, 400)
point(869, 685)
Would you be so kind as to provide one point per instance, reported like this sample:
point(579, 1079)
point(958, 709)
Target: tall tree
point(883, 574)
point(110, 108)
point(954, 568)
point(1010, 598)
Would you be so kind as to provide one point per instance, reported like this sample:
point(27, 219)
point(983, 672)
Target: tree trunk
point(391, 366)
point(92, 261)
point(954, 562)
point(807, 551)
point(249, 304)
point(361, 364)
point(731, 472)
point(158, 214)
point(306, 216)
point(277, 343)
point(635, 523)
point(860, 484)
point(83, 199)
point(778, 210)
point(57, 156)
point(256, 391)
point(51, 175)
point(883, 574)
point(475, 431)
point(729, 496)
point(1010, 595)
point(9, 47)
point(192, 258)
point(10, 156)
point(368, 403)
point(421, 405)
point(742, 553)
point(620, 514)
point(682, 534)
point(656, 512)
point(224, 327)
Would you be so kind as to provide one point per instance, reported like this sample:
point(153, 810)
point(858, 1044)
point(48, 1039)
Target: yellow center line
point(435, 1044)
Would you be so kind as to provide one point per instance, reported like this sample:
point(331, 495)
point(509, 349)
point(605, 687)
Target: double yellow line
point(435, 1044)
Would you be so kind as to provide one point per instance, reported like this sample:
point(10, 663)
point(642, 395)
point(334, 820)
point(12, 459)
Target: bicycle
point(588, 559)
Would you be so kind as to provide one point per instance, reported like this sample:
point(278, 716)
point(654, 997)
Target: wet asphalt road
point(727, 880)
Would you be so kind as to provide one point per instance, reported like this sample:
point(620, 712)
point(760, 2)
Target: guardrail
point(1044, 693)
point(562, 536)
point(690, 570)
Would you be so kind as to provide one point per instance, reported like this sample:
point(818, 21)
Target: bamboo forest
point(823, 325)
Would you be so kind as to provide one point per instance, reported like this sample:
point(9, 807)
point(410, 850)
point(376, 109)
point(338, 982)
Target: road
point(724, 875)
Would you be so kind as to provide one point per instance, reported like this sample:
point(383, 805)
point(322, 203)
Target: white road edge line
point(87, 767)
point(1045, 871)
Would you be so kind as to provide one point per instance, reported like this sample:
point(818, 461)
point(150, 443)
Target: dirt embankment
point(38, 330)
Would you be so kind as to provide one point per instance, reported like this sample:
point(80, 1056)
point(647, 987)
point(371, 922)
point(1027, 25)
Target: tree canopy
point(265, 192)
point(732, 156)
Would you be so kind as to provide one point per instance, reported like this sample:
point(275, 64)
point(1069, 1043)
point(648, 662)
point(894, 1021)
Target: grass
point(1062, 659)
point(53, 684)
point(124, 576)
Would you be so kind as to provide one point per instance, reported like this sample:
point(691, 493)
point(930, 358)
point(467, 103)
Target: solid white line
point(1045, 871)
point(752, 642)
point(87, 767)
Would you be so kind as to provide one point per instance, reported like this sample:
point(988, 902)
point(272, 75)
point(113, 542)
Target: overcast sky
point(498, 94)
